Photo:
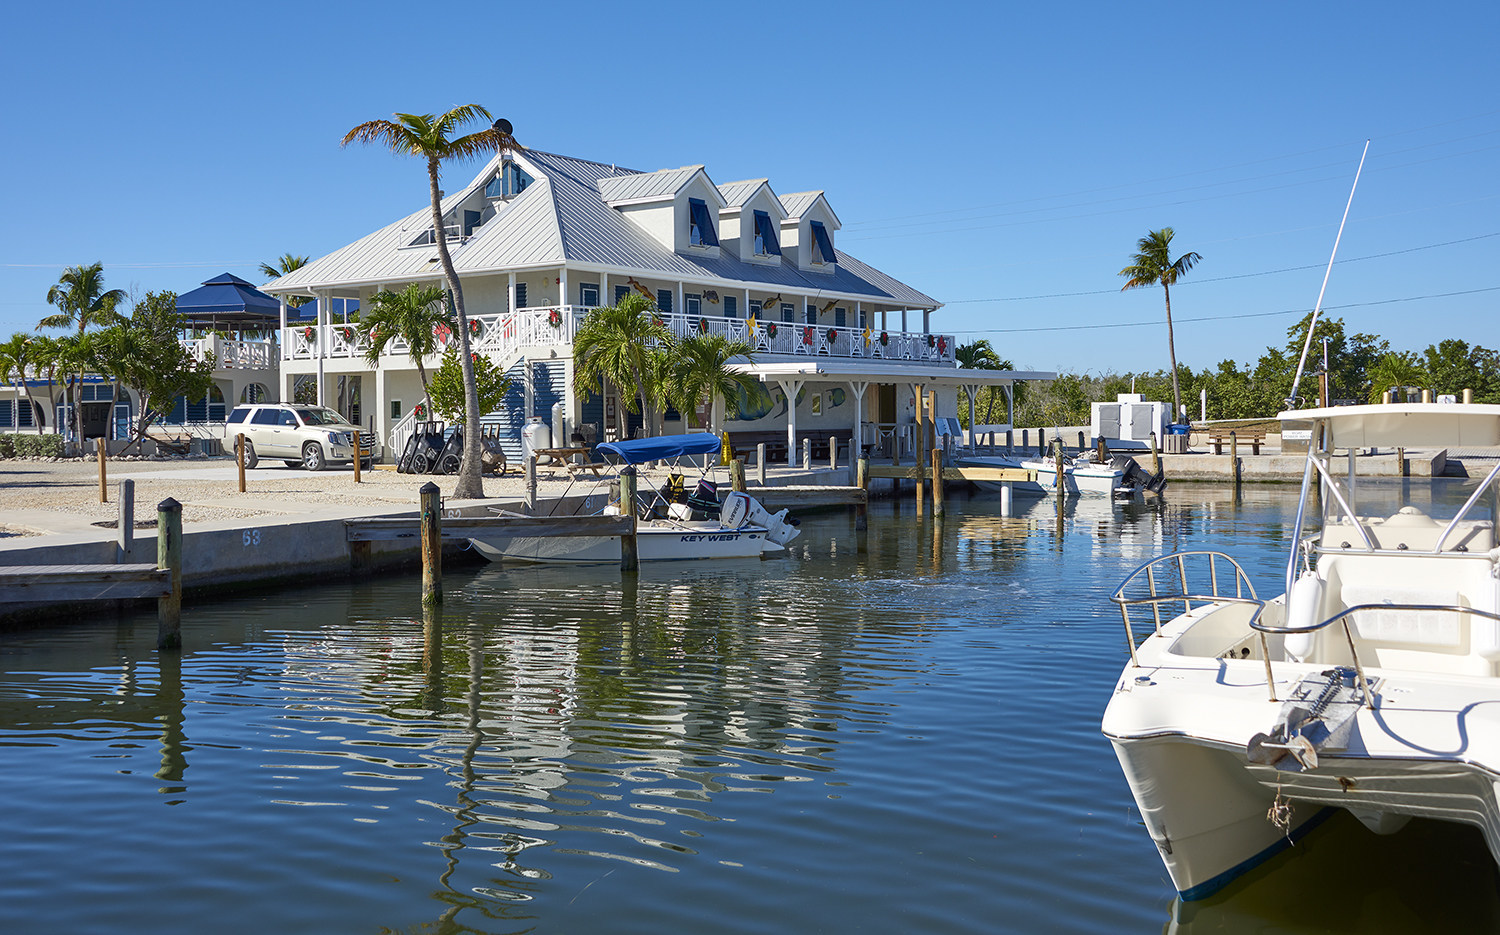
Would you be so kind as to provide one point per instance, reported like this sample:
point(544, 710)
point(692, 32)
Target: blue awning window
point(822, 246)
point(700, 225)
point(766, 243)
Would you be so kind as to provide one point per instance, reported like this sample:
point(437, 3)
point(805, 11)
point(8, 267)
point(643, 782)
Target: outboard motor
point(736, 510)
point(780, 529)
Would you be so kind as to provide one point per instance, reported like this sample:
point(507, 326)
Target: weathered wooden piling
point(861, 518)
point(432, 543)
point(125, 527)
point(357, 455)
point(169, 559)
point(1234, 456)
point(737, 475)
point(239, 457)
point(103, 479)
point(760, 463)
point(629, 552)
point(937, 483)
point(1401, 466)
point(530, 509)
point(1155, 456)
point(833, 453)
point(1062, 484)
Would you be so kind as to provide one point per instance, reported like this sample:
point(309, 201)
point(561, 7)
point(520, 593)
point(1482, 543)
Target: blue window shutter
point(471, 221)
point(692, 305)
point(620, 293)
point(588, 293)
point(664, 300)
point(521, 295)
point(821, 241)
point(731, 307)
point(705, 224)
point(839, 318)
point(755, 309)
point(787, 309)
point(767, 232)
point(810, 314)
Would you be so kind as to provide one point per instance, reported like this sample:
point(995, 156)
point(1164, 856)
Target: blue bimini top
point(663, 448)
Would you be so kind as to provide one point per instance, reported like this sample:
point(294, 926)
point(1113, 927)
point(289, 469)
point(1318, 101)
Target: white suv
point(312, 437)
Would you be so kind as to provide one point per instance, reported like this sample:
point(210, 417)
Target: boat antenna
point(1291, 398)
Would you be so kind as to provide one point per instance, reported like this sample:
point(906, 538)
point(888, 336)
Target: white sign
point(1447, 399)
point(1296, 435)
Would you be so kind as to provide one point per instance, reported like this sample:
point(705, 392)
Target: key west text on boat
point(1371, 684)
point(673, 523)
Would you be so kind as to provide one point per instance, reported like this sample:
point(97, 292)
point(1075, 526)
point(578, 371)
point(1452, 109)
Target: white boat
point(1081, 475)
point(674, 527)
point(1371, 684)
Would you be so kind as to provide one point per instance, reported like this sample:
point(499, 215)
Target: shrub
point(7, 446)
point(36, 446)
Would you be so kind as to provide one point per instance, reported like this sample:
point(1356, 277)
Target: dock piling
point(531, 485)
point(1005, 504)
point(861, 509)
point(103, 480)
point(629, 547)
point(807, 453)
point(1062, 489)
point(357, 455)
point(760, 463)
point(169, 559)
point(1155, 456)
point(737, 475)
point(125, 527)
point(1234, 457)
point(937, 483)
point(432, 543)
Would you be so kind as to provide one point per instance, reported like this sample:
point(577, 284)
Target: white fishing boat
point(1081, 475)
point(673, 526)
point(1371, 684)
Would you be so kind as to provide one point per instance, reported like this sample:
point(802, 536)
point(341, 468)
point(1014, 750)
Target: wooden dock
point(65, 583)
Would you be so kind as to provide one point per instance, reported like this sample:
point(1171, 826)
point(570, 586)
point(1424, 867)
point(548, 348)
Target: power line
point(1290, 311)
point(1269, 272)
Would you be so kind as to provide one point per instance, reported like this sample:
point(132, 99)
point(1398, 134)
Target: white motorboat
point(1081, 475)
point(1371, 684)
point(673, 525)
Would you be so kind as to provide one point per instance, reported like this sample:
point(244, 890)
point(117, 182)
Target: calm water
point(905, 741)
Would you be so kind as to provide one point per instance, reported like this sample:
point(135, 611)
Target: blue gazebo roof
point(228, 300)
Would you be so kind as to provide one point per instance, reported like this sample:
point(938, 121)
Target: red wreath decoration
point(884, 339)
point(942, 345)
point(771, 329)
point(833, 334)
point(703, 325)
point(420, 411)
point(554, 318)
point(807, 335)
point(307, 333)
point(474, 356)
point(474, 327)
point(931, 340)
point(348, 333)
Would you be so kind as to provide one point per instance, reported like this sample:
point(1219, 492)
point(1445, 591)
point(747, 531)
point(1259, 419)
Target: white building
point(538, 239)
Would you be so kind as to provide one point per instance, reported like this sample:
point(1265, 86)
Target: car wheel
point(312, 456)
point(292, 464)
point(251, 459)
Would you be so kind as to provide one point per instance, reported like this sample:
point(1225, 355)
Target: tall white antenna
point(1291, 398)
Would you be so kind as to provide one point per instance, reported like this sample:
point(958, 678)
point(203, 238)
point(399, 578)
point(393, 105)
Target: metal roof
point(799, 203)
point(737, 193)
point(645, 186)
point(227, 299)
point(563, 218)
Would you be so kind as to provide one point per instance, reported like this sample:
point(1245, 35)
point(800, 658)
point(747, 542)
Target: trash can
point(1179, 428)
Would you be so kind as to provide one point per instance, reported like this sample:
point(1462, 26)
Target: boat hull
point(1085, 479)
point(655, 542)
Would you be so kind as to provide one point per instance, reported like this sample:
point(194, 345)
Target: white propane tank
point(534, 435)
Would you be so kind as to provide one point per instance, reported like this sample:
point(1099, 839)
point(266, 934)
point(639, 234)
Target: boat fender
point(1302, 610)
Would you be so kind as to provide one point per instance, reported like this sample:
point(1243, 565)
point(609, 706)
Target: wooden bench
point(1219, 437)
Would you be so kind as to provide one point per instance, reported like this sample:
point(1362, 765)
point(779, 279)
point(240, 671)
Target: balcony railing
point(232, 354)
point(500, 334)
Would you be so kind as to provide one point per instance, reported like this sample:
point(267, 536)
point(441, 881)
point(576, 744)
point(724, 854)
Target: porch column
point(604, 298)
point(973, 392)
point(677, 308)
point(745, 312)
point(926, 321)
point(325, 302)
point(791, 388)
point(1010, 404)
point(281, 334)
point(903, 321)
point(857, 390)
point(510, 294)
point(562, 288)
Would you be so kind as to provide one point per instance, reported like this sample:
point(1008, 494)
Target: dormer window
point(822, 247)
point(766, 243)
point(700, 225)
point(510, 181)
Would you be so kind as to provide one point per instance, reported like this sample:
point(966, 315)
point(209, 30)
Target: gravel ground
point(208, 489)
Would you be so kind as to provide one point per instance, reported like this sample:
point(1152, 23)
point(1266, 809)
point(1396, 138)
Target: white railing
point(499, 335)
point(403, 430)
point(231, 354)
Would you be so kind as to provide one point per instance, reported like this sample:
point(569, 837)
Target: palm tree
point(80, 297)
point(413, 315)
point(16, 355)
point(430, 137)
point(1151, 266)
point(285, 264)
point(980, 355)
point(700, 372)
point(45, 354)
point(614, 344)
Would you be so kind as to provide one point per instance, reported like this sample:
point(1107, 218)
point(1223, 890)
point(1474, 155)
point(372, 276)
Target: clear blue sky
point(1002, 157)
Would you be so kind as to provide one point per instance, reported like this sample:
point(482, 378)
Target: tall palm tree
point(285, 264)
point(700, 372)
point(414, 315)
point(431, 138)
point(980, 355)
point(614, 344)
point(1153, 265)
point(45, 355)
point(16, 357)
point(82, 302)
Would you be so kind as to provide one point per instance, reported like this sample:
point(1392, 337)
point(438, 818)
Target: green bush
point(31, 446)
